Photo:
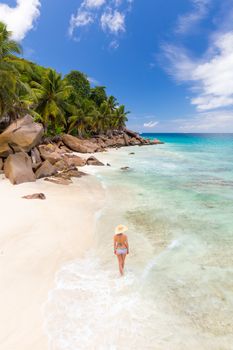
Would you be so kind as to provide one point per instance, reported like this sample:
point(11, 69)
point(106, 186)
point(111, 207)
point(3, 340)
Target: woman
point(121, 246)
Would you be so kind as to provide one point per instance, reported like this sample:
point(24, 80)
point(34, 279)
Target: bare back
point(121, 241)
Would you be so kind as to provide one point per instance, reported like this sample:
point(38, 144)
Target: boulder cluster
point(26, 156)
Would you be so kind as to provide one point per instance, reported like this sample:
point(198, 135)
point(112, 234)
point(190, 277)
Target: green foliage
point(82, 120)
point(66, 104)
point(98, 95)
point(79, 82)
point(11, 86)
point(8, 47)
point(50, 100)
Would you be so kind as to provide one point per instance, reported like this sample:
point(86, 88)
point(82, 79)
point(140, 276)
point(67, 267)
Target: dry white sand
point(36, 238)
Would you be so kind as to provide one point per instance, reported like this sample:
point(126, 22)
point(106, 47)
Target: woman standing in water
point(121, 246)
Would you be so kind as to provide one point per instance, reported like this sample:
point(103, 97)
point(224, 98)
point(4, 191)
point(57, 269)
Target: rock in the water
point(22, 135)
point(131, 153)
point(156, 142)
point(78, 145)
point(35, 196)
point(46, 169)
point(94, 161)
point(51, 153)
point(58, 180)
point(125, 168)
point(108, 164)
point(18, 168)
point(1, 163)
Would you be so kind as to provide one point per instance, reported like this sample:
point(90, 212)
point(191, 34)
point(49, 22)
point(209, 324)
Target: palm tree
point(82, 119)
point(112, 103)
point(9, 76)
point(8, 47)
point(50, 100)
point(106, 113)
point(110, 106)
point(120, 117)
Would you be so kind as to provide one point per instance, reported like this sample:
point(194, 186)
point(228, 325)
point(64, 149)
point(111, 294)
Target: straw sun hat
point(120, 229)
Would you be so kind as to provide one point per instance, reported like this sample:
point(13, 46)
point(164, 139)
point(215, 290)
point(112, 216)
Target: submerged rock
point(125, 168)
point(156, 142)
point(18, 168)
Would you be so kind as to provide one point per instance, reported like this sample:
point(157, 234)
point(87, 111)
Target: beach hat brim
point(121, 229)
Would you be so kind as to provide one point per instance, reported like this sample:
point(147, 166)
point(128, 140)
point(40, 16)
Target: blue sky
point(169, 61)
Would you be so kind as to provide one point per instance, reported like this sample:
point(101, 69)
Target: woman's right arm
point(114, 245)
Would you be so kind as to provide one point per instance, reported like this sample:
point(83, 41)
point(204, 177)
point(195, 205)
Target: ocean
point(177, 292)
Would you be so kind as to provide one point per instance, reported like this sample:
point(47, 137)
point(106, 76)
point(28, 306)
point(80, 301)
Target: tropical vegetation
point(63, 104)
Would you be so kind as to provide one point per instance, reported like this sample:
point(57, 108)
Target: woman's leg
point(123, 260)
point(119, 257)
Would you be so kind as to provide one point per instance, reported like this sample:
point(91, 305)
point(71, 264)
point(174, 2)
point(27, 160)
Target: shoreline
point(70, 284)
point(34, 244)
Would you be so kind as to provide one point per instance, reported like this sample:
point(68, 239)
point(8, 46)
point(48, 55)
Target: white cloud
point(211, 77)
point(82, 19)
point(93, 3)
point(21, 18)
point(180, 65)
point(113, 21)
point(114, 44)
point(109, 14)
point(151, 124)
point(187, 21)
point(213, 121)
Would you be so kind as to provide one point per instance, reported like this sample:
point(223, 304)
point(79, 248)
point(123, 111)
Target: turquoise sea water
point(177, 292)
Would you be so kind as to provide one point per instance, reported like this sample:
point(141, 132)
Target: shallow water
point(177, 292)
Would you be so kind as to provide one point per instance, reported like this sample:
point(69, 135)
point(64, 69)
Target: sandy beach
point(36, 238)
